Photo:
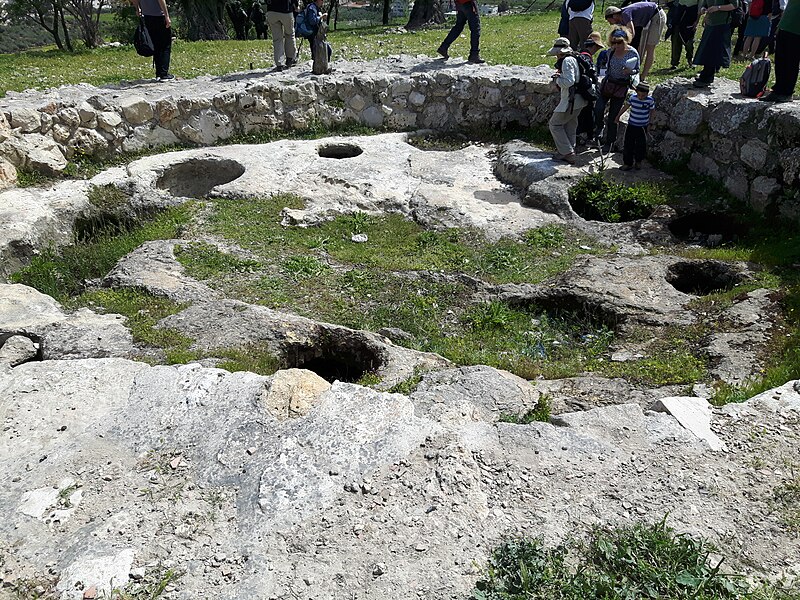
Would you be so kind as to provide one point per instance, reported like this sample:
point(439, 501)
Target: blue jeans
point(465, 13)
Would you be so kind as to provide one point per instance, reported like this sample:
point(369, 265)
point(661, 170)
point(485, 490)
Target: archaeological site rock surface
point(365, 465)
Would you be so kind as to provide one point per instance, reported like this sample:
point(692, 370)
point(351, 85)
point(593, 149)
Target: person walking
point(646, 22)
point(564, 122)
point(238, 17)
point(641, 104)
point(684, 25)
point(621, 73)
point(581, 14)
point(280, 18)
point(159, 26)
point(714, 51)
point(466, 12)
point(787, 54)
point(259, 20)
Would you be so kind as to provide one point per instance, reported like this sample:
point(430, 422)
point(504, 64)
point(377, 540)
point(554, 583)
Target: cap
point(560, 46)
point(612, 10)
point(642, 87)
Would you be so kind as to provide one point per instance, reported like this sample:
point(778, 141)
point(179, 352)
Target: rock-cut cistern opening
point(196, 177)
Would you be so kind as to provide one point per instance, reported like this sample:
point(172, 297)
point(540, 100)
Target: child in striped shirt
point(640, 103)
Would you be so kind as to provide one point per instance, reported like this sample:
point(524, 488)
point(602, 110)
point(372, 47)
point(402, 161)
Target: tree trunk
point(82, 11)
point(424, 12)
point(67, 38)
point(204, 19)
point(387, 7)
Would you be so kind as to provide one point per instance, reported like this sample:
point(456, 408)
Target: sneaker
point(442, 51)
point(290, 62)
point(475, 60)
point(626, 168)
point(699, 83)
point(773, 97)
point(167, 77)
point(279, 68)
point(568, 158)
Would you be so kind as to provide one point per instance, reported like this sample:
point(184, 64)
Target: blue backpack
point(302, 28)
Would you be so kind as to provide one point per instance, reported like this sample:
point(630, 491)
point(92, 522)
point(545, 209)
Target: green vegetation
point(541, 412)
point(786, 498)
point(151, 587)
point(597, 199)
point(253, 358)
point(407, 386)
point(509, 39)
point(63, 273)
point(620, 563)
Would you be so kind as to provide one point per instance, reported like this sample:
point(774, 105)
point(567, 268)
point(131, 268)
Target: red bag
point(756, 8)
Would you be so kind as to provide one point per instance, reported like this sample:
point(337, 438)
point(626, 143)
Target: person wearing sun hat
point(564, 122)
point(647, 23)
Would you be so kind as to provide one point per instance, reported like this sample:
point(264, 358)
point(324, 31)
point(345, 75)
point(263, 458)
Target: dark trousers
point(586, 120)
point(635, 148)
point(683, 33)
point(614, 106)
point(162, 42)
point(787, 62)
point(466, 13)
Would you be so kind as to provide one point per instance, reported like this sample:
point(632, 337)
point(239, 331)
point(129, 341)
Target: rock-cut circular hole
point(196, 177)
point(700, 278)
point(707, 228)
point(339, 151)
point(333, 356)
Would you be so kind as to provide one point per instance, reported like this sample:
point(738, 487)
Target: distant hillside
point(14, 38)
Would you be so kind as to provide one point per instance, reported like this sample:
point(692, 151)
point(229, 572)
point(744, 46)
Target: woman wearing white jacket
point(564, 122)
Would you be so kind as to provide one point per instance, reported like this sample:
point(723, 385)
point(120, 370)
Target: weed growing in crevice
point(786, 498)
point(206, 261)
point(407, 386)
point(636, 561)
point(541, 412)
point(151, 587)
point(596, 199)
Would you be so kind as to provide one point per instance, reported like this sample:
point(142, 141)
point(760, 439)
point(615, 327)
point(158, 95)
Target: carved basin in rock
point(339, 150)
point(196, 177)
point(332, 357)
point(707, 228)
point(703, 277)
point(589, 314)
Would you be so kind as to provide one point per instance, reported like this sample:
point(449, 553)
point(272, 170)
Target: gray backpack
point(754, 80)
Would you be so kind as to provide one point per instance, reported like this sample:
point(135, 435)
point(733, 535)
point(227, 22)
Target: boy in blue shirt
point(641, 104)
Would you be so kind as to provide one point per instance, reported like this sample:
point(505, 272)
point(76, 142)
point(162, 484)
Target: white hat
point(560, 46)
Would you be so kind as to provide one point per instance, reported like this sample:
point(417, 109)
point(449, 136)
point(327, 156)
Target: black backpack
point(586, 85)
point(736, 17)
point(579, 5)
point(142, 40)
point(754, 80)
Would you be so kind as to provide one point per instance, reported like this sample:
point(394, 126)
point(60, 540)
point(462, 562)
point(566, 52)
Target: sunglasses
point(617, 41)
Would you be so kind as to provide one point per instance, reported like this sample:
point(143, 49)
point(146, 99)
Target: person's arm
point(721, 8)
point(627, 21)
point(137, 8)
point(163, 5)
point(569, 73)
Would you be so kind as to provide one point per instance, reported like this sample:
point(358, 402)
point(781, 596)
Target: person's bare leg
point(649, 57)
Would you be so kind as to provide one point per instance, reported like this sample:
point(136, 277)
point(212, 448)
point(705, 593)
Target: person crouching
point(641, 104)
point(564, 122)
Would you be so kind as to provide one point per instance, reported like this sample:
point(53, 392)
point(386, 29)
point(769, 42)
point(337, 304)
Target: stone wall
point(751, 147)
point(748, 145)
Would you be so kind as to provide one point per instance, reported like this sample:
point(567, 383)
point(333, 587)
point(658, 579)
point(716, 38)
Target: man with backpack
point(570, 79)
point(581, 14)
point(586, 125)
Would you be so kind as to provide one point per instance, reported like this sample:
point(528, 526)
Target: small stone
point(251, 450)
point(137, 574)
point(379, 569)
point(90, 593)
point(421, 548)
point(359, 238)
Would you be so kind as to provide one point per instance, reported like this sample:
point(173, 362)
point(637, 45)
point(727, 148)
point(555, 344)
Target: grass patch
point(206, 261)
point(143, 312)
point(597, 199)
point(625, 562)
point(407, 386)
point(541, 412)
point(253, 358)
point(63, 273)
